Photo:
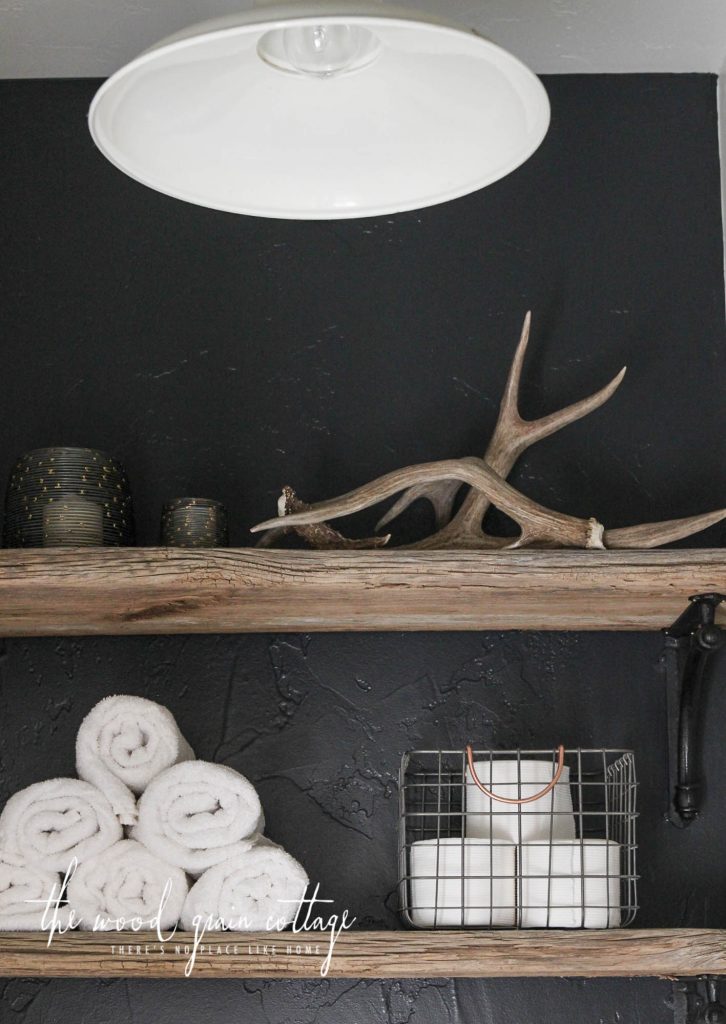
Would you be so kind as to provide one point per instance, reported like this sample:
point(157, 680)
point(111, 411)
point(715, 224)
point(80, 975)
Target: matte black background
point(225, 356)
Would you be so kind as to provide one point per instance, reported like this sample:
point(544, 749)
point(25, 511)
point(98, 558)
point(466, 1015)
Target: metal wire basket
point(518, 838)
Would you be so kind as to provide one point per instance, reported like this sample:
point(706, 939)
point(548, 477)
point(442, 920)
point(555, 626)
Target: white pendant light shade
point(319, 112)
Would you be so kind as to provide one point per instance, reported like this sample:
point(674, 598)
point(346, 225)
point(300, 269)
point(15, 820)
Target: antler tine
point(540, 526)
point(652, 535)
point(319, 535)
point(509, 405)
point(272, 537)
point(535, 430)
point(443, 493)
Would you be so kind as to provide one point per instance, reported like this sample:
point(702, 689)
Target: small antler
point(319, 534)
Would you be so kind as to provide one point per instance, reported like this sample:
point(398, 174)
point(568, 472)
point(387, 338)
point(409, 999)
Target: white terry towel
point(258, 890)
point(123, 743)
point(24, 892)
point(50, 823)
point(124, 887)
point(197, 814)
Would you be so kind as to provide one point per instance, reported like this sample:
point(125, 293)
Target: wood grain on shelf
point(393, 954)
point(54, 592)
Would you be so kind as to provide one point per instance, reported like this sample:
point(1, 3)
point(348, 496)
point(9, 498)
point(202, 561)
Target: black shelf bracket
point(689, 644)
point(696, 1001)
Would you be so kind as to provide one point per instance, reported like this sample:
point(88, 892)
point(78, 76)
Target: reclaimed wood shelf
point(390, 954)
point(83, 591)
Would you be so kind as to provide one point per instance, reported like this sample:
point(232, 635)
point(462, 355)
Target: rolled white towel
point(258, 890)
point(197, 814)
point(126, 886)
point(123, 743)
point(24, 894)
point(50, 823)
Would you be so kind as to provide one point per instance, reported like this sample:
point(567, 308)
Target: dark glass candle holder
point(194, 523)
point(65, 496)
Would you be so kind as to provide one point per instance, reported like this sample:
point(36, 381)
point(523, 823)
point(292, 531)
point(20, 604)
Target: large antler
point(439, 482)
point(540, 527)
point(512, 436)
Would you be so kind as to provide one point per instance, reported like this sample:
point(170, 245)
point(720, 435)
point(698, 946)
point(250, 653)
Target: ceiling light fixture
point(321, 110)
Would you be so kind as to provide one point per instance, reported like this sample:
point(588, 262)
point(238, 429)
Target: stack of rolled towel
point(189, 850)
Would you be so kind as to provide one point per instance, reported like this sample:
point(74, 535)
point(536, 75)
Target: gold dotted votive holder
point(194, 523)
point(58, 492)
point(72, 522)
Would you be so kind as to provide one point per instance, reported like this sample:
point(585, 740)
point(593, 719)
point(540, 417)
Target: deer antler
point(320, 535)
point(512, 436)
point(652, 535)
point(439, 482)
point(541, 527)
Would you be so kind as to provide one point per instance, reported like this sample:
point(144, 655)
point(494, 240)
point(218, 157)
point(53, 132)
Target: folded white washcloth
point(24, 894)
point(549, 816)
point(573, 884)
point(462, 882)
point(127, 887)
point(50, 823)
point(123, 743)
point(197, 814)
point(259, 890)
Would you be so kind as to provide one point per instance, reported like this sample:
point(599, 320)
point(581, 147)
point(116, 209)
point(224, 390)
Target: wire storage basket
point(518, 838)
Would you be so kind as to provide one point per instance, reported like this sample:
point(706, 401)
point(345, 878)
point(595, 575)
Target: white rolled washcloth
point(24, 894)
point(197, 814)
point(123, 743)
point(50, 823)
point(258, 890)
point(127, 887)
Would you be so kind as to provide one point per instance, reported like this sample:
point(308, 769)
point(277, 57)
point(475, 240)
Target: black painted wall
point(226, 356)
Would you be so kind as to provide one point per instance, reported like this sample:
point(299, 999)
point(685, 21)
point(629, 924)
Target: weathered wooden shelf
point(394, 954)
point(55, 592)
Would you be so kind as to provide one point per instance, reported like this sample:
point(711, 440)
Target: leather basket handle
point(513, 800)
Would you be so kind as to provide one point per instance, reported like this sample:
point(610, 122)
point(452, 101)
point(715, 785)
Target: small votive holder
point(72, 522)
point(194, 523)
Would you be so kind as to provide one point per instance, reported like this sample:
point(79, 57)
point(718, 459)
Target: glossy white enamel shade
point(439, 113)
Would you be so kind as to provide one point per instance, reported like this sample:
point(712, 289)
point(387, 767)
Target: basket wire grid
point(567, 859)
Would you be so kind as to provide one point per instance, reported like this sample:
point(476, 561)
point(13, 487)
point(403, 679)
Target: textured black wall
point(227, 356)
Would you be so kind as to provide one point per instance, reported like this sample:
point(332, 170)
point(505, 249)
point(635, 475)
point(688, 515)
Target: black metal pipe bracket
point(689, 644)
point(696, 1001)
